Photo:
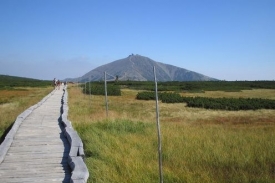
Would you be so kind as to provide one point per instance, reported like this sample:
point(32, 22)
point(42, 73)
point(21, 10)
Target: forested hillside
point(7, 82)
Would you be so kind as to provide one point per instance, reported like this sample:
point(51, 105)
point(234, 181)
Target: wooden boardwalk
point(39, 151)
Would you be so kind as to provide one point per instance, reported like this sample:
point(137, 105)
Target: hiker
point(54, 83)
point(58, 84)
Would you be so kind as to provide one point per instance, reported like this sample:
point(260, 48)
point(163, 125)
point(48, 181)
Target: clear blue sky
point(224, 39)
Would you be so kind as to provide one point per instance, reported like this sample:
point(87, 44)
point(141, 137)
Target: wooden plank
point(36, 178)
point(39, 151)
point(38, 161)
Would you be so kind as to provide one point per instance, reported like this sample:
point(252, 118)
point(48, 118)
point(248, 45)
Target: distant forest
point(194, 86)
point(8, 82)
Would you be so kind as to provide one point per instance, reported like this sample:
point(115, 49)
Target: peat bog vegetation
point(198, 144)
point(16, 95)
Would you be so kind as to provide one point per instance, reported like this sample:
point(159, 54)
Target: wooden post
point(90, 92)
point(158, 129)
point(106, 98)
point(85, 90)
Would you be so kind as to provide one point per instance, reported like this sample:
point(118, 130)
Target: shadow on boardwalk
point(67, 147)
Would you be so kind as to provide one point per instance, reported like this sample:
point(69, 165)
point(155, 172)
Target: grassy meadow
point(15, 100)
point(18, 94)
point(198, 145)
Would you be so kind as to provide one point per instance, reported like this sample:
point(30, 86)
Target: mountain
point(140, 68)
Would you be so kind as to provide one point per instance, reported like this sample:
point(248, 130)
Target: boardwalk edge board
point(4, 147)
point(80, 173)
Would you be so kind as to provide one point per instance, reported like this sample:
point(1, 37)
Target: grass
point(198, 145)
point(218, 154)
point(15, 100)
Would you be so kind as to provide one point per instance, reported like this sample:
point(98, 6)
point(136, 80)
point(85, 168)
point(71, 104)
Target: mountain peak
point(140, 68)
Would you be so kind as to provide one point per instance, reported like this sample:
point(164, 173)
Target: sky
point(224, 39)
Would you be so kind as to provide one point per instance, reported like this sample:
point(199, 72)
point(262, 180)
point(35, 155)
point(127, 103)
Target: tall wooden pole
point(90, 92)
point(106, 99)
point(158, 128)
point(85, 90)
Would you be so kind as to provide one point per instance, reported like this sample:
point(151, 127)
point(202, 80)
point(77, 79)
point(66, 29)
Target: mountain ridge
point(140, 68)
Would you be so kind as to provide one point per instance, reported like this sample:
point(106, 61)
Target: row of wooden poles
point(157, 118)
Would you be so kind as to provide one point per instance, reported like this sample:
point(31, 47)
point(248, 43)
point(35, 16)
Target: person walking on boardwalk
point(54, 83)
point(58, 84)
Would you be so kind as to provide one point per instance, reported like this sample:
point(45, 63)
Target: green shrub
point(99, 89)
point(170, 97)
point(146, 96)
point(231, 104)
point(198, 86)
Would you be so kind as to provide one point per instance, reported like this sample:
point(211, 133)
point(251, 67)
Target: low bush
point(198, 86)
point(99, 89)
point(231, 104)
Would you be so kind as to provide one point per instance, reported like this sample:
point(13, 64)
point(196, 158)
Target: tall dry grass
point(198, 145)
point(13, 102)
